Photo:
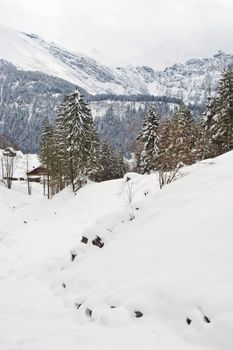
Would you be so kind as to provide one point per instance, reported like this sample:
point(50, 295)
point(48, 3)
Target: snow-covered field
point(172, 264)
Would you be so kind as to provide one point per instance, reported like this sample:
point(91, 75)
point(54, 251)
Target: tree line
point(166, 144)
point(72, 151)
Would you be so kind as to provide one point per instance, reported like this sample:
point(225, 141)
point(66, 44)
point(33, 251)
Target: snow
point(172, 263)
point(22, 162)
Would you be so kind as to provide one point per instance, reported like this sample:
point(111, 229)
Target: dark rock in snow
point(88, 312)
point(138, 314)
point(206, 319)
point(84, 239)
point(73, 255)
point(77, 305)
point(98, 242)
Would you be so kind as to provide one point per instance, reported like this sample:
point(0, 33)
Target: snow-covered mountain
point(29, 97)
point(188, 81)
point(35, 75)
point(30, 52)
point(26, 99)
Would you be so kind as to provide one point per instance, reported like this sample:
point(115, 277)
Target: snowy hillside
point(161, 281)
point(189, 81)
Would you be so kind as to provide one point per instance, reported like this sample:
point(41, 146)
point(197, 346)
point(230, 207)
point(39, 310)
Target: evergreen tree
point(120, 167)
point(61, 155)
point(93, 165)
point(48, 151)
point(107, 162)
point(182, 138)
point(205, 147)
point(164, 160)
point(79, 138)
point(111, 162)
point(148, 141)
point(209, 112)
point(221, 123)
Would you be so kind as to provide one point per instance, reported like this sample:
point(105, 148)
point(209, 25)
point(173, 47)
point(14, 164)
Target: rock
point(88, 312)
point(84, 239)
point(138, 314)
point(98, 242)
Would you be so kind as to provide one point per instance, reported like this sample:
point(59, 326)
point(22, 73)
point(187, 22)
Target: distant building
point(36, 174)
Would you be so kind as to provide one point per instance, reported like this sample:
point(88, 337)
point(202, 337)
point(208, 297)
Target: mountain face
point(6, 142)
point(26, 99)
point(35, 75)
point(188, 81)
point(30, 52)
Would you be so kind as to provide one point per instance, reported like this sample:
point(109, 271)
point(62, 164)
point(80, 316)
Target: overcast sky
point(148, 32)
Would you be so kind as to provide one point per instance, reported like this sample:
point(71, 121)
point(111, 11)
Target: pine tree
point(148, 141)
point(111, 162)
point(80, 138)
point(204, 145)
point(48, 156)
point(182, 138)
point(107, 162)
point(221, 125)
point(61, 146)
point(93, 165)
point(47, 151)
point(209, 112)
point(120, 167)
point(164, 160)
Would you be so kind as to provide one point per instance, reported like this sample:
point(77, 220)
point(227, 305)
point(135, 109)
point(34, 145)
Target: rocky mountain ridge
point(189, 81)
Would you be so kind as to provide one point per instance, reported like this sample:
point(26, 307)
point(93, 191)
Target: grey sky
point(149, 32)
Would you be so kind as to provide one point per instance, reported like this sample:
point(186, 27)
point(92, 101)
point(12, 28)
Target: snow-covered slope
point(171, 265)
point(30, 52)
point(189, 81)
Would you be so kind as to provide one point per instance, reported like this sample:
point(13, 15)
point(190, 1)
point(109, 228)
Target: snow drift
point(162, 280)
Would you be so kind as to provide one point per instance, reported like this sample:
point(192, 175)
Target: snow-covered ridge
point(189, 81)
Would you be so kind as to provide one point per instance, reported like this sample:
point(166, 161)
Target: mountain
point(6, 142)
point(26, 99)
point(30, 52)
point(188, 81)
point(35, 75)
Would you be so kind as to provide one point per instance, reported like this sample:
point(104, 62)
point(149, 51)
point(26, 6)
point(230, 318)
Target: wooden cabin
point(39, 174)
point(36, 174)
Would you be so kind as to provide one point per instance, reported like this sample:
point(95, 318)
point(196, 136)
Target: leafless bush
point(166, 177)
